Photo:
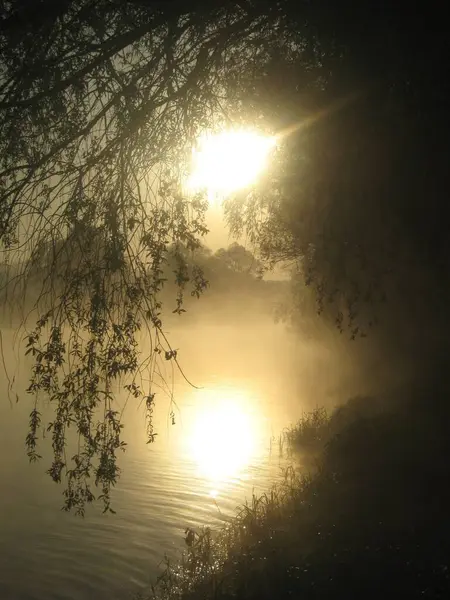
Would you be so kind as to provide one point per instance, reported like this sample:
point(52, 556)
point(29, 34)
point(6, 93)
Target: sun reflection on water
point(222, 438)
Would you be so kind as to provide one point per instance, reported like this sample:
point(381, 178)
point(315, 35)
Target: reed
point(363, 524)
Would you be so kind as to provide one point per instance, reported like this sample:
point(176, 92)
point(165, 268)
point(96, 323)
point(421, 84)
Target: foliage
point(208, 568)
point(361, 525)
point(231, 296)
point(238, 258)
point(100, 103)
point(311, 432)
point(353, 200)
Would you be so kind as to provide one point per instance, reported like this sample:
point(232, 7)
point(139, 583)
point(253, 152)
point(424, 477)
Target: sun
point(225, 162)
point(222, 435)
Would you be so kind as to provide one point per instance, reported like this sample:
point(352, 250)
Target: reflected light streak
point(222, 436)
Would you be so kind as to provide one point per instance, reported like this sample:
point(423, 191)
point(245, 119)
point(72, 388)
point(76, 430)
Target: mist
point(224, 292)
point(249, 366)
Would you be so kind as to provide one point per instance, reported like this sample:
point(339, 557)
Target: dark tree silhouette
point(355, 200)
point(238, 258)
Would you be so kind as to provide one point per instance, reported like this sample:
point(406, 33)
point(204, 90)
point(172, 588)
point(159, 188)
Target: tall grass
point(372, 519)
point(217, 564)
point(311, 432)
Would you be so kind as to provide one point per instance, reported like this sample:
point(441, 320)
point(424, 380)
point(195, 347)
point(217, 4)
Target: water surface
point(196, 473)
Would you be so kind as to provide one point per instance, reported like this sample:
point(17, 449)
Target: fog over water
point(254, 378)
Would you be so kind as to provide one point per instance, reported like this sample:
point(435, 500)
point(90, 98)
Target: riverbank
point(370, 518)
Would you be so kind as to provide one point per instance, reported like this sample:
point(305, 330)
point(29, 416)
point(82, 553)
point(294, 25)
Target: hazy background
point(197, 471)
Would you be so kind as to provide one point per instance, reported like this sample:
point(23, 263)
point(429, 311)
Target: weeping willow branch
point(100, 103)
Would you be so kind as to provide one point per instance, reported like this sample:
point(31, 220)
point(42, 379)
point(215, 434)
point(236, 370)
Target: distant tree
point(238, 258)
point(203, 253)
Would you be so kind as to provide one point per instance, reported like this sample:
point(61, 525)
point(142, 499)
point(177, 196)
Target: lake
point(196, 473)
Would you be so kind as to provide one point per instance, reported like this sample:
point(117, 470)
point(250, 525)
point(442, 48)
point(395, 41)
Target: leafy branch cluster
point(320, 212)
point(100, 103)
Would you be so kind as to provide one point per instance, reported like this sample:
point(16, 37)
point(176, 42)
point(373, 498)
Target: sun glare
point(222, 439)
point(228, 161)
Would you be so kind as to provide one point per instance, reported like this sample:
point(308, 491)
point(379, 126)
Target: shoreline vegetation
point(362, 522)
